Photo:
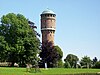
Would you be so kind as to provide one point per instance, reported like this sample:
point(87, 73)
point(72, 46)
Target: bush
point(97, 65)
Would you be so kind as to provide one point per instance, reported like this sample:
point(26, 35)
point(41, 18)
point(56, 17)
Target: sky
point(77, 22)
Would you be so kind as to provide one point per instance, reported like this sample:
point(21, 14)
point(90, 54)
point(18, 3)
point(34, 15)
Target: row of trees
point(19, 43)
point(72, 61)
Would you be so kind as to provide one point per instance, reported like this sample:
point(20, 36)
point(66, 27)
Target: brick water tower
point(48, 26)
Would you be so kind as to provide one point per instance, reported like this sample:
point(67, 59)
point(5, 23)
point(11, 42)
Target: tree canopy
point(71, 61)
point(21, 41)
point(51, 54)
point(86, 62)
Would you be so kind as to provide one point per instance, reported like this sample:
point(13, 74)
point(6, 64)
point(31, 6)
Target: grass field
point(53, 71)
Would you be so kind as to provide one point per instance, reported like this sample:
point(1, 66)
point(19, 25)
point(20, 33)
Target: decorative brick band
point(48, 29)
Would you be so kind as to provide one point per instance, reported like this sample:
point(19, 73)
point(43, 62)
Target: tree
point(71, 61)
point(86, 62)
point(51, 55)
point(58, 54)
point(21, 38)
point(97, 65)
point(94, 61)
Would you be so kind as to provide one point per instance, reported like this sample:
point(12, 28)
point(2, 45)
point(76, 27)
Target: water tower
point(48, 26)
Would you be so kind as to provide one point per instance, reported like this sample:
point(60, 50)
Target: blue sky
point(77, 22)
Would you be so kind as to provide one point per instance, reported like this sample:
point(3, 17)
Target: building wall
point(48, 36)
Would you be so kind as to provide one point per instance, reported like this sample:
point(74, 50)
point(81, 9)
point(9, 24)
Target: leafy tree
point(71, 61)
point(94, 61)
point(50, 54)
point(97, 65)
point(21, 38)
point(86, 62)
point(58, 54)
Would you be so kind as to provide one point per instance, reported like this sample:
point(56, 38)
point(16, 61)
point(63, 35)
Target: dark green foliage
point(71, 61)
point(67, 64)
point(22, 41)
point(58, 50)
point(86, 62)
point(97, 65)
point(51, 55)
point(60, 64)
point(3, 48)
point(58, 59)
point(94, 61)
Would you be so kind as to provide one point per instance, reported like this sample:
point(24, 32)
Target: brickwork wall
point(48, 21)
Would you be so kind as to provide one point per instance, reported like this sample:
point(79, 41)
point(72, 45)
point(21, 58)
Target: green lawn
point(60, 71)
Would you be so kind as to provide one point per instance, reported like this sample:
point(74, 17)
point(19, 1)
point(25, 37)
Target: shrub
point(97, 65)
